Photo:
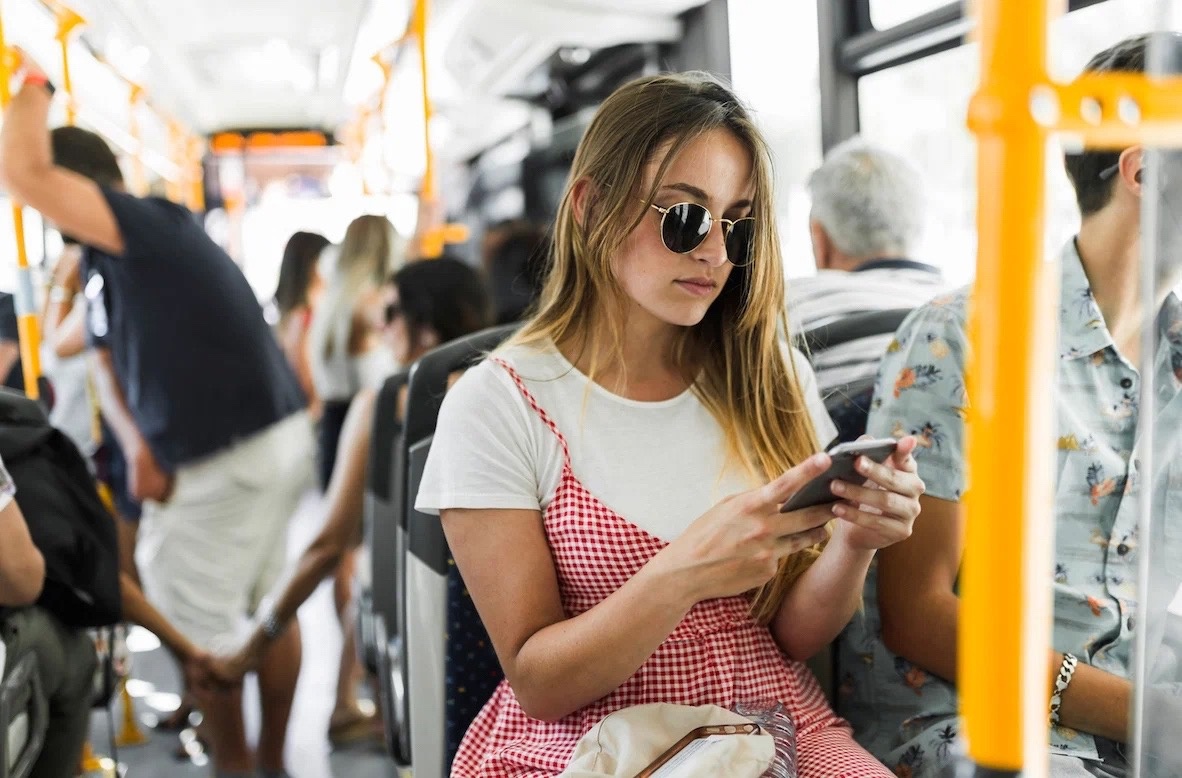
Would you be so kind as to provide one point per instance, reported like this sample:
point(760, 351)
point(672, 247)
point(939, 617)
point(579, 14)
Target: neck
point(1110, 249)
point(642, 368)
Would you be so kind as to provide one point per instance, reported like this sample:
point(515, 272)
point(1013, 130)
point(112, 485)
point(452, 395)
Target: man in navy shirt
point(202, 402)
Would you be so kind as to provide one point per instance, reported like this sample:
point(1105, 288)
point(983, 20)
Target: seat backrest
point(383, 487)
point(451, 669)
point(848, 403)
point(853, 327)
point(849, 408)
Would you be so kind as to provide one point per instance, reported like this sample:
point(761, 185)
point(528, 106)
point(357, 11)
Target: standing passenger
point(195, 388)
point(582, 473)
point(345, 352)
point(296, 293)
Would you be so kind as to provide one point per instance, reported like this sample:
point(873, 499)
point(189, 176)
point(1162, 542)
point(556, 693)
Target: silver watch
point(271, 626)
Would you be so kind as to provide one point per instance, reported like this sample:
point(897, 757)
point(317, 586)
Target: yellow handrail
point(434, 237)
point(1005, 600)
point(28, 327)
point(139, 179)
point(67, 22)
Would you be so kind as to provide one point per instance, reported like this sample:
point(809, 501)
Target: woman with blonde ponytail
point(582, 473)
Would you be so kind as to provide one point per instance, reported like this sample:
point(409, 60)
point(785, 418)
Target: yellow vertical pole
point(1005, 605)
point(28, 328)
point(67, 22)
point(175, 188)
point(139, 179)
point(420, 32)
point(196, 197)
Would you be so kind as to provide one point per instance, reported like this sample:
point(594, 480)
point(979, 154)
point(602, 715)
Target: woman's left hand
point(881, 512)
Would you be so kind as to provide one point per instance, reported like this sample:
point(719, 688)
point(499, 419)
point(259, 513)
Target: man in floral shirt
point(897, 656)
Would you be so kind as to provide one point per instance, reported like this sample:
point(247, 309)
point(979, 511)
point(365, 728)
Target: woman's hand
point(737, 545)
point(881, 512)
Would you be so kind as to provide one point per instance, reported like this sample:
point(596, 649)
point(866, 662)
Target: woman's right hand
point(737, 545)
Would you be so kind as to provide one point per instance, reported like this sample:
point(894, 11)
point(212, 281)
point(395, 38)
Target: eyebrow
point(701, 195)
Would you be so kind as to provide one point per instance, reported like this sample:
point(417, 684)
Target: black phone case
point(818, 491)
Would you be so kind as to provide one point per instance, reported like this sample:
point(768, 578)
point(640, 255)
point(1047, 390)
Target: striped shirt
point(832, 295)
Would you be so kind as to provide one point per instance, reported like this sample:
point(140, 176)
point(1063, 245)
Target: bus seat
point(451, 669)
point(378, 640)
point(849, 408)
point(379, 599)
point(24, 716)
point(849, 404)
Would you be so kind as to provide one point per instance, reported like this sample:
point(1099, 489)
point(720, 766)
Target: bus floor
point(155, 685)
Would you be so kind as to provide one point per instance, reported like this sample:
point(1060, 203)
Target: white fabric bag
point(624, 743)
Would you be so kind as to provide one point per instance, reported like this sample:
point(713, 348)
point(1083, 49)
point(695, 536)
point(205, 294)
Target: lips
point(700, 287)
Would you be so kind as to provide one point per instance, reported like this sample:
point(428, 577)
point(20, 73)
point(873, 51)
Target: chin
point(681, 315)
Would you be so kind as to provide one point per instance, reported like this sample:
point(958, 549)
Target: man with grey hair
point(866, 220)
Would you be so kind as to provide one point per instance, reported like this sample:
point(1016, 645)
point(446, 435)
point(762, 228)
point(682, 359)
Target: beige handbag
point(705, 741)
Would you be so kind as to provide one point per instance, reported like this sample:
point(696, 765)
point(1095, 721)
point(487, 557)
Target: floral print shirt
point(902, 714)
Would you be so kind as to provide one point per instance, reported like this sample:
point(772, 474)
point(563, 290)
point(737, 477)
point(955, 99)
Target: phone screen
point(819, 491)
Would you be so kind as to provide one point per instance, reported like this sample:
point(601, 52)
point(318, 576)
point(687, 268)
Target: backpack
point(68, 522)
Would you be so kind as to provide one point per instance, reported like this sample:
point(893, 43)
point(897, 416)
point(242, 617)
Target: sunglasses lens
point(739, 242)
point(684, 227)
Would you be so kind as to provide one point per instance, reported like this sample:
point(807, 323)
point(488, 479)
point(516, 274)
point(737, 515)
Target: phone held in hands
point(841, 468)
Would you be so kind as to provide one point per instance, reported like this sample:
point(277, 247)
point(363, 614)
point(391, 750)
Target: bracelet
point(1066, 671)
point(40, 79)
point(271, 626)
point(59, 294)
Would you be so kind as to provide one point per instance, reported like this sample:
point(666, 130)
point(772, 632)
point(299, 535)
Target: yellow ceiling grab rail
point(433, 236)
point(28, 326)
point(67, 22)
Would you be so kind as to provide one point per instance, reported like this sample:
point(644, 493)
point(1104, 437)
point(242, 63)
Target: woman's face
point(666, 288)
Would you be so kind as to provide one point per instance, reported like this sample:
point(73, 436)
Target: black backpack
point(69, 524)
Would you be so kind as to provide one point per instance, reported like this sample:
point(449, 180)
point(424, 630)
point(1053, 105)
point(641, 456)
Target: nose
point(712, 250)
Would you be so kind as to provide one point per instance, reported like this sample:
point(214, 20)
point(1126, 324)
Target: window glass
point(769, 43)
point(920, 109)
point(885, 14)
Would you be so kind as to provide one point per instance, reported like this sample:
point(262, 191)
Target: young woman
point(343, 347)
point(582, 472)
point(296, 293)
point(424, 305)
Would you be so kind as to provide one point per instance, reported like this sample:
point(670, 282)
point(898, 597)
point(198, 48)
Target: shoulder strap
point(533, 403)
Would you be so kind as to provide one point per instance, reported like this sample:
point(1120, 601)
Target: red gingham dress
point(717, 655)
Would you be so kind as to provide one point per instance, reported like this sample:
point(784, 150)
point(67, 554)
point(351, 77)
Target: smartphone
point(819, 492)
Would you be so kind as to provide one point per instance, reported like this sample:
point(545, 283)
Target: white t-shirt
point(660, 465)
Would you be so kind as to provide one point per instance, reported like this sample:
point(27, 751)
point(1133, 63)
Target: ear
point(822, 247)
point(1132, 165)
point(428, 338)
point(582, 192)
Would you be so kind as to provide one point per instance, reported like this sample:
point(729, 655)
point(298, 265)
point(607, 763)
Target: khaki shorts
point(210, 555)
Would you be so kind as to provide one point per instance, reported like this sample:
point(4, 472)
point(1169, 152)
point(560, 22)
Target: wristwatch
point(271, 626)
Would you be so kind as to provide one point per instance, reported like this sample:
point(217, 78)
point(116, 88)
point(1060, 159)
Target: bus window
point(885, 14)
point(933, 132)
point(774, 67)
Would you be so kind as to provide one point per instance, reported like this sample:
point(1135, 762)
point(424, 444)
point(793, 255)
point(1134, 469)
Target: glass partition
point(1158, 703)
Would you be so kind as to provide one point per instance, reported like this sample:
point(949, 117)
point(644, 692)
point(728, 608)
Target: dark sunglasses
point(685, 226)
point(393, 311)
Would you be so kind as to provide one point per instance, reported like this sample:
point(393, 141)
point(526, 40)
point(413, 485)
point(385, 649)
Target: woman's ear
point(582, 193)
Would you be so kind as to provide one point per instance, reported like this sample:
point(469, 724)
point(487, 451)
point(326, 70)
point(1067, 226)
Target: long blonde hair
point(371, 250)
point(738, 366)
